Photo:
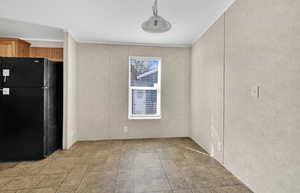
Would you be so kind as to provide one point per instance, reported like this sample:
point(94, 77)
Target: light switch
point(5, 91)
point(5, 72)
point(255, 91)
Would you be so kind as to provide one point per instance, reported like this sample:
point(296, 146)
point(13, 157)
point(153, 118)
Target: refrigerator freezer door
point(22, 124)
point(24, 72)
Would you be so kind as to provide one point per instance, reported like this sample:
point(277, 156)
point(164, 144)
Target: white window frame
point(156, 87)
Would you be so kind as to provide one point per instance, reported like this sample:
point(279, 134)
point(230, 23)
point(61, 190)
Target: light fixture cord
point(154, 8)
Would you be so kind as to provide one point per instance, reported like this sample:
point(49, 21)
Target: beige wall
point(103, 93)
point(261, 135)
point(262, 48)
point(70, 87)
point(207, 90)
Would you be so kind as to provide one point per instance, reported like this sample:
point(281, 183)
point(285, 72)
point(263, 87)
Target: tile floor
point(122, 166)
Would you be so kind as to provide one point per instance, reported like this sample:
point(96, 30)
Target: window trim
point(131, 116)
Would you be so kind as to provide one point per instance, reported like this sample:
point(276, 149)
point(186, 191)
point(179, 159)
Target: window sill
point(144, 117)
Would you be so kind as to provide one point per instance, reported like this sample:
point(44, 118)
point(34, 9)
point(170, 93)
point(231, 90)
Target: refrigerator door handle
point(5, 74)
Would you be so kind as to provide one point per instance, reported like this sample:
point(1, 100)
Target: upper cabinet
point(54, 54)
point(13, 47)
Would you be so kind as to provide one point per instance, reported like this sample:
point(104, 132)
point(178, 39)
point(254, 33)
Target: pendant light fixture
point(156, 24)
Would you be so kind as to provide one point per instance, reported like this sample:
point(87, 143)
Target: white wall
point(103, 92)
point(261, 135)
point(259, 141)
point(70, 87)
point(207, 90)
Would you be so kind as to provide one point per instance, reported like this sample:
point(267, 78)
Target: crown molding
point(136, 44)
point(42, 40)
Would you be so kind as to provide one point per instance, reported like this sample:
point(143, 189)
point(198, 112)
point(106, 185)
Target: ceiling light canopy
point(156, 24)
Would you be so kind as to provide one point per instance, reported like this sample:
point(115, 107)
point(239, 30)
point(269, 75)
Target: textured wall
point(103, 92)
point(261, 135)
point(70, 87)
point(207, 90)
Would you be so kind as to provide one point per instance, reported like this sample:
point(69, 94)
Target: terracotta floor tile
point(122, 166)
point(38, 190)
point(72, 180)
point(22, 183)
point(126, 174)
point(233, 189)
point(178, 183)
point(51, 181)
point(11, 171)
point(97, 189)
point(167, 191)
point(204, 190)
point(149, 173)
point(229, 181)
point(4, 181)
point(183, 191)
point(219, 171)
point(7, 191)
point(125, 186)
point(66, 191)
point(198, 183)
point(68, 188)
point(144, 185)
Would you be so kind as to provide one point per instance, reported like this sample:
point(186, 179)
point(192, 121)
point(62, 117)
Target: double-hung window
point(144, 88)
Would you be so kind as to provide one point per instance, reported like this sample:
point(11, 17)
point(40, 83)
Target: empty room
point(150, 96)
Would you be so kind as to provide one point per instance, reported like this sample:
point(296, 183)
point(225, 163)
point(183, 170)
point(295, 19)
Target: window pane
point(144, 102)
point(144, 72)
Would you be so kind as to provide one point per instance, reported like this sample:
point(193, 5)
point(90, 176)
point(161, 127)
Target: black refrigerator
point(31, 95)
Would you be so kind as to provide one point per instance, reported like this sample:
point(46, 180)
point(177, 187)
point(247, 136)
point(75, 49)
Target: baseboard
point(198, 143)
point(128, 139)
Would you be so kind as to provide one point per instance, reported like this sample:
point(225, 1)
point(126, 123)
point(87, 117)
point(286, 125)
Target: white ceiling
point(29, 31)
point(116, 21)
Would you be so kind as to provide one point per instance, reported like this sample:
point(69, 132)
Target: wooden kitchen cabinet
point(13, 47)
point(54, 54)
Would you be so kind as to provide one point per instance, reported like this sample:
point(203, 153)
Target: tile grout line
point(119, 166)
point(81, 165)
point(165, 173)
point(22, 176)
point(81, 179)
point(62, 181)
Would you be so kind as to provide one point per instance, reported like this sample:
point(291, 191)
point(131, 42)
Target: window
point(144, 88)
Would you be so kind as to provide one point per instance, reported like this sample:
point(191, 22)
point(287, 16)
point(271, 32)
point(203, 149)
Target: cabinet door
point(23, 49)
point(54, 54)
point(7, 48)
